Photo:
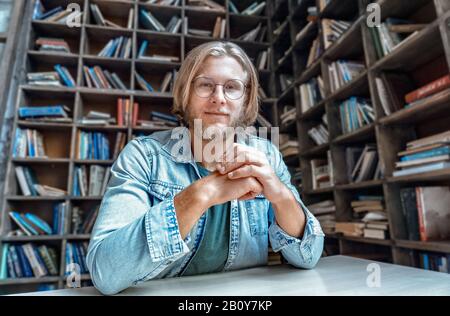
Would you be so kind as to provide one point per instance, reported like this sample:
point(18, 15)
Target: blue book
point(38, 10)
point(55, 219)
point(40, 261)
point(31, 179)
point(26, 267)
point(143, 48)
point(23, 224)
point(37, 111)
point(15, 262)
point(164, 116)
point(426, 262)
point(65, 75)
point(4, 262)
point(96, 146)
point(39, 223)
point(421, 169)
point(10, 263)
point(49, 13)
point(426, 154)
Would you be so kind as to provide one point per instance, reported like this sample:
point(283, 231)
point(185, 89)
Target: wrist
point(284, 196)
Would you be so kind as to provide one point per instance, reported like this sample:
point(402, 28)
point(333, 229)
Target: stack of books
point(325, 212)
point(370, 210)
point(311, 93)
point(49, 78)
point(61, 76)
point(99, 19)
point(81, 224)
point(97, 118)
point(352, 229)
point(57, 14)
point(363, 164)
point(28, 143)
point(288, 147)
point(355, 113)
point(28, 261)
point(321, 174)
point(48, 44)
point(51, 113)
point(76, 254)
point(92, 184)
point(332, 30)
point(97, 78)
point(30, 224)
point(288, 116)
point(119, 47)
point(392, 33)
point(342, 72)
point(254, 9)
point(425, 154)
point(428, 92)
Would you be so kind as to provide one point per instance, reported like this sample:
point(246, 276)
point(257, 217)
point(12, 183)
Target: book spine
point(420, 212)
point(431, 88)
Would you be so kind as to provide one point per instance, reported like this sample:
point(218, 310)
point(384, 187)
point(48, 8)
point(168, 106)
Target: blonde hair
point(191, 66)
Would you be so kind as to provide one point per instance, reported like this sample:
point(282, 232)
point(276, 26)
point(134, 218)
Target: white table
point(335, 275)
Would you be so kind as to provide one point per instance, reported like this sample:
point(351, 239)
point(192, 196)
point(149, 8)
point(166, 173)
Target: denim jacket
point(136, 236)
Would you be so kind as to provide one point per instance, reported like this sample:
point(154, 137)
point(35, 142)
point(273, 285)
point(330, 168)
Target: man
point(165, 215)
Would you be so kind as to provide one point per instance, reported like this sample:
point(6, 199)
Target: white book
point(20, 174)
point(130, 19)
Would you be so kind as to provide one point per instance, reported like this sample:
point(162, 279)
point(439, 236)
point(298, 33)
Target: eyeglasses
point(204, 87)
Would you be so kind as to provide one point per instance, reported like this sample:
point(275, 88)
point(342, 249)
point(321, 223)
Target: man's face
point(217, 110)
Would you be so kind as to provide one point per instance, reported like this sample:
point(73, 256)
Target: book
point(429, 89)
point(434, 213)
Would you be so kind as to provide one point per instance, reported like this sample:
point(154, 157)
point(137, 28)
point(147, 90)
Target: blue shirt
point(212, 253)
point(136, 236)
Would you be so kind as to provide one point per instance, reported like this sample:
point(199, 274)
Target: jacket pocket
point(257, 215)
point(164, 190)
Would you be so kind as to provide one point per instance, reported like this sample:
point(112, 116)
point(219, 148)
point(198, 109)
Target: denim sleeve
point(300, 252)
point(132, 239)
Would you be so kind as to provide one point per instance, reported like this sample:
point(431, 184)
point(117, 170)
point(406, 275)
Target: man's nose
point(218, 95)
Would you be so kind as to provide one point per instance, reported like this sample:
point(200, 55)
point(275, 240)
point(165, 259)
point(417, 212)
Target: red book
point(127, 112)
point(429, 89)
point(119, 112)
point(420, 209)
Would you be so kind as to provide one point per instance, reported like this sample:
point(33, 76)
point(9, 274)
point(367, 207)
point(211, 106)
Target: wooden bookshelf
point(85, 43)
point(388, 132)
